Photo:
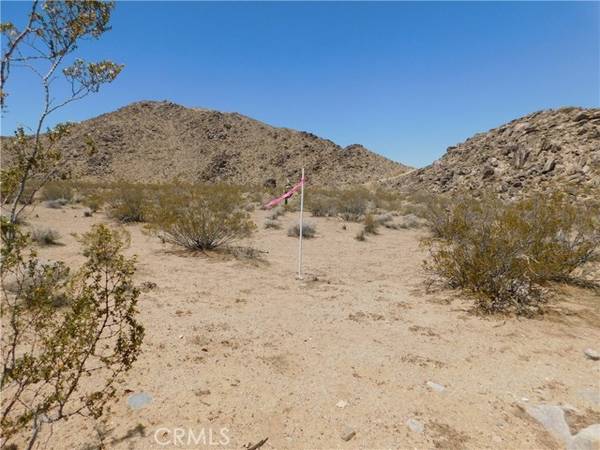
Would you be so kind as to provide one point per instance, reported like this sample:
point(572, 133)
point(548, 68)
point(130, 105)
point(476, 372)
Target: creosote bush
point(58, 190)
point(200, 217)
point(353, 203)
point(506, 254)
point(127, 202)
point(309, 230)
point(61, 328)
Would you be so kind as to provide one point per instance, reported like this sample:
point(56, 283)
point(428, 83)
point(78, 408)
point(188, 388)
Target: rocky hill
point(157, 141)
point(547, 149)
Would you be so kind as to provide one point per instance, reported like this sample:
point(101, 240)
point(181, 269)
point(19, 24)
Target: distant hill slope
point(547, 149)
point(157, 141)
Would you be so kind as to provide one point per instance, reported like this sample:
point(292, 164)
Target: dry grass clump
point(309, 230)
point(127, 202)
point(45, 236)
point(410, 221)
point(272, 224)
point(200, 217)
point(361, 235)
point(275, 213)
point(370, 224)
point(506, 254)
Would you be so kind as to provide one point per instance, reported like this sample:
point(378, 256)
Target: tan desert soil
point(248, 347)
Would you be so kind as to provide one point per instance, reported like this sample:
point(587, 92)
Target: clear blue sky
point(404, 79)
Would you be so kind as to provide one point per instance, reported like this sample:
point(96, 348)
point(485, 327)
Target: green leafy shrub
point(309, 230)
point(505, 254)
point(200, 217)
point(64, 328)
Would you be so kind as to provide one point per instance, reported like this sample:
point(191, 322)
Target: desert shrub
point(353, 203)
point(309, 230)
point(200, 217)
point(57, 203)
point(386, 199)
point(273, 224)
point(45, 236)
point(64, 329)
point(361, 235)
point(409, 221)
point(276, 212)
point(57, 190)
point(384, 219)
point(505, 254)
point(127, 202)
point(370, 224)
point(322, 203)
point(93, 201)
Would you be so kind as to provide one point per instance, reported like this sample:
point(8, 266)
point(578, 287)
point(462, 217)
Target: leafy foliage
point(505, 253)
point(51, 33)
point(48, 351)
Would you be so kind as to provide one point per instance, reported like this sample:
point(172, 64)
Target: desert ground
point(362, 345)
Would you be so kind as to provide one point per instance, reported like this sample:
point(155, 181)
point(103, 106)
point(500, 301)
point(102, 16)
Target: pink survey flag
point(288, 194)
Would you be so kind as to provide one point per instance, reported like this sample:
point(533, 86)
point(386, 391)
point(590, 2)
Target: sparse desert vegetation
point(200, 217)
point(506, 254)
point(181, 277)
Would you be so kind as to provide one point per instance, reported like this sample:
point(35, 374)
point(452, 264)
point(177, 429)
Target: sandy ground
point(245, 351)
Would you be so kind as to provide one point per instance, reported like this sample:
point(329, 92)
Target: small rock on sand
point(415, 425)
point(435, 386)
point(586, 439)
point(552, 418)
point(341, 404)
point(348, 434)
point(592, 354)
point(139, 400)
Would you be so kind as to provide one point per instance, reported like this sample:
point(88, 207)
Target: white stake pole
point(300, 235)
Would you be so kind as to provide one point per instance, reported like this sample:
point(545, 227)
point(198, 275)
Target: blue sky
point(404, 79)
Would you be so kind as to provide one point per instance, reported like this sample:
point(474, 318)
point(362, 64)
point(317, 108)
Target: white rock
point(341, 404)
point(435, 386)
point(415, 425)
point(586, 439)
point(552, 418)
point(593, 355)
